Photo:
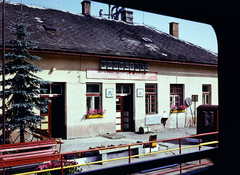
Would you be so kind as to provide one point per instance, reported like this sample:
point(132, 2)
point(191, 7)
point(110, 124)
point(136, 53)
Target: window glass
point(93, 88)
point(176, 94)
point(97, 102)
point(89, 103)
point(151, 98)
point(125, 89)
point(206, 94)
point(118, 89)
point(93, 97)
point(56, 89)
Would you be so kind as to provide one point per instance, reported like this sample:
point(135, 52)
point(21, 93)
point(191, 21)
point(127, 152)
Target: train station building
point(135, 74)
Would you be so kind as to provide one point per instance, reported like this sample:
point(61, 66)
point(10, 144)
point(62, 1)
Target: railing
point(180, 148)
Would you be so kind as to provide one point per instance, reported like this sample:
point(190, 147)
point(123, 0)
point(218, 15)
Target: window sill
point(94, 116)
point(178, 111)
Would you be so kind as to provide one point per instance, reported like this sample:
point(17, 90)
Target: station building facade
point(135, 73)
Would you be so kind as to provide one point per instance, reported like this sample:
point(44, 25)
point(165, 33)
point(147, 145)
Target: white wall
point(72, 71)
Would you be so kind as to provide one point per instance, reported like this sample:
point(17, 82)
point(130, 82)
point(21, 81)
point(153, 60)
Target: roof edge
point(122, 57)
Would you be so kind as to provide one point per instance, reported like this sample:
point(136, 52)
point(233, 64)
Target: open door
point(54, 121)
point(124, 107)
point(47, 122)
point(119, 114)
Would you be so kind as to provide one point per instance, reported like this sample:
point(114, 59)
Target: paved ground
point(131, 137)
point(128, 137)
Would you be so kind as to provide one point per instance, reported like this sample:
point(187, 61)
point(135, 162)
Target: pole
point(3, 69)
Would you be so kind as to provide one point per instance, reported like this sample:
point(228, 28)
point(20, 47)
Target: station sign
point(121, 75)
point(125, 66)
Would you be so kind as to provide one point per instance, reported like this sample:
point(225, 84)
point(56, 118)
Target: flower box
point(178, 111)
point(95, 116)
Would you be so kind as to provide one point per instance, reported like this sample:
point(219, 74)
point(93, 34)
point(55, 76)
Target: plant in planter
point(95, 113)
point(175, 109)
point(182, 107)
point(70, 156)
point(56, 164)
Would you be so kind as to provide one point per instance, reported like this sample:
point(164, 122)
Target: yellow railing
point(127, 157)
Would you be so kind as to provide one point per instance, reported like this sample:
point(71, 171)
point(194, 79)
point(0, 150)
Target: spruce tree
point(23, 86)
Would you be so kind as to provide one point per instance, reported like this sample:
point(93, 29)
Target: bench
point(119, 152)
point(17, 154)
point(44, 135)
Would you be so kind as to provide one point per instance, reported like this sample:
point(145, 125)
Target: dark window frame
point(176, 95)
point(151, 98)
point(207, 94)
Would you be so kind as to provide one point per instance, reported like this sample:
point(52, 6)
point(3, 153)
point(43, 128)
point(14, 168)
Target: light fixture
point(51, 70)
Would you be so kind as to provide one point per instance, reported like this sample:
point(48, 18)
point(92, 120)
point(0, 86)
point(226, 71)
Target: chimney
point(127, 15)
point(86, 7)
point(173, 29)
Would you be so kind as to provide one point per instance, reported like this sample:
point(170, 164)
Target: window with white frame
point(93, 95)
point(176, 95)
point(123, 89)
point(151, 98)
point(206, 94)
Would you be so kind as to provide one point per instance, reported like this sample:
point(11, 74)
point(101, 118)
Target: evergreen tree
point(23, 87)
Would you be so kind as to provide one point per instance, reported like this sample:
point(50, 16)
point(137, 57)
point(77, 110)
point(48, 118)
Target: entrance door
point(54, 121)
point(119, 114)
point(124, 108)
point(47, 122)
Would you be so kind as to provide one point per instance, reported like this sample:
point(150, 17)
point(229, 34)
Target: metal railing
point(129, 157)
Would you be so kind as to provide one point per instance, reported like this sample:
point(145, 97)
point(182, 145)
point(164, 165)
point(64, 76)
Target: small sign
point(142, 67)
point(146, 67)
point(136, 66)
point(140, 92)
point(127, 66)
point(120, 66)
point(131, 66)
point(109, 93)
point(195, 98)
point(115, 65)
point(118, 75)
point(103, 64)
point(109, 65)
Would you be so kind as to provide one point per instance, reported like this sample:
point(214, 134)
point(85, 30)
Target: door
point(119, 114)
point(124, 107)
point(47, 121)
point(54, 121)
point(127, 113)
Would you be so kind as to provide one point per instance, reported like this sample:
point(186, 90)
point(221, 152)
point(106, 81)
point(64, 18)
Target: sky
point(200, 34)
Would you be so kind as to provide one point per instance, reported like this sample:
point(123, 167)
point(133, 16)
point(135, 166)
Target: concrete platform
point(124, 138)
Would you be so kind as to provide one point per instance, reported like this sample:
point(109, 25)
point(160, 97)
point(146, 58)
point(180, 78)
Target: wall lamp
point(51, 70)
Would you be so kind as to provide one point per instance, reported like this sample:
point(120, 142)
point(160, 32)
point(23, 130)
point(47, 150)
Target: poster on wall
point(140, 92)
point(109, 93)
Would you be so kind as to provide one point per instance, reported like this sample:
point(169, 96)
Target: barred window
point(151, 98)
point(176, 95)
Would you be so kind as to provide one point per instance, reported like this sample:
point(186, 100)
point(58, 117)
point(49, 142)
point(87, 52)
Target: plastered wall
point(71, 70)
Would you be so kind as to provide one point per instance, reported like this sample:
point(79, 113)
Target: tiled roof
point(94, 35)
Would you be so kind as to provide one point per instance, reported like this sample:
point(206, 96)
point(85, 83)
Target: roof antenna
point(101, 14)
point(143, 17)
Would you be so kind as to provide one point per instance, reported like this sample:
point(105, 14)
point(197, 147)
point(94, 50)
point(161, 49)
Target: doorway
point(54, 121)
point(124, 107)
